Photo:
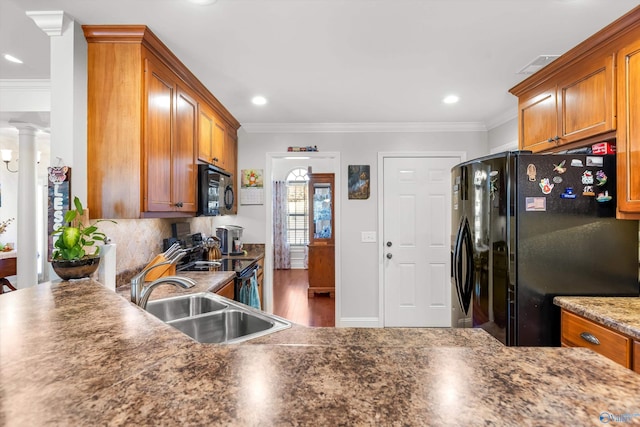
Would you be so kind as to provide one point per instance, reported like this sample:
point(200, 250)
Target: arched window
point(298, 207)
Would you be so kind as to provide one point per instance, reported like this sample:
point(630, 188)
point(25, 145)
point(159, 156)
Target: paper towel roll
point(107, 269)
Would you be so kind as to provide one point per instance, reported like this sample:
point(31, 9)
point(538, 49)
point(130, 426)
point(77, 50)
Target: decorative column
point(68, 98)
point(68, 94)
point(27, 263)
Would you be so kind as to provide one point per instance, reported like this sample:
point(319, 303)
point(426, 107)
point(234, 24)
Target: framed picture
point(359, 180)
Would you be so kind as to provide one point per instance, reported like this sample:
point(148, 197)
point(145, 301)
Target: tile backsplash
point(139, 240)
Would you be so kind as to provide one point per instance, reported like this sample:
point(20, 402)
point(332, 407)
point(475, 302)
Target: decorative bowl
point(75, 269)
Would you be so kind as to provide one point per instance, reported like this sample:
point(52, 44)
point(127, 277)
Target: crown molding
point(52, 22)
point(417, 127)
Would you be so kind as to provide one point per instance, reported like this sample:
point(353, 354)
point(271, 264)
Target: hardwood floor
point(291, 301)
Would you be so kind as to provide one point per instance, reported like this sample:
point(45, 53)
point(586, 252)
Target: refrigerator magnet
point(546, 186)
point(588, 191)
point(601, 178)
point(576, 163)
point(603, 197)
point(531, 172)
point(557, 179)
point(560, 168)
point(535, 204)
point(587, 177)
point(568, 193)
point(594, 161)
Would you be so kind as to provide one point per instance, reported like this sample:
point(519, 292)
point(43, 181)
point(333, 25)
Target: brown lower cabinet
point(227, 290)
point(578, 331)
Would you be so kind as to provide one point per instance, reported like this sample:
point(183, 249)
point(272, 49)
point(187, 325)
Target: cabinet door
point(636, 356)
point(206, 123)
point(231, 155)
point(159, 106)
point(538, 121)
point(184, 172)
point(227, 290)
point(586, 99)
point(628, 135)
point(321, 217)
point(321, 268)
point(219, 141)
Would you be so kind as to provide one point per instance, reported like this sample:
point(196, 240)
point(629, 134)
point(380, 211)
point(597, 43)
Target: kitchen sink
point(225, 326)
point(211, 318)
point(182, 306)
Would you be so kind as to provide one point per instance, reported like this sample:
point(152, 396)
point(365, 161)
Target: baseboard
point(359, 322)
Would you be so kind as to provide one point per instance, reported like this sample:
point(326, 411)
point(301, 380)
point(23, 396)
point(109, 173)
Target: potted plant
point(74, 256)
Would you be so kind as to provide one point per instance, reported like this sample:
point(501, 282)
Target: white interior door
point(416, 257)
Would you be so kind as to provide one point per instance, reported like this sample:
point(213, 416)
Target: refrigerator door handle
point(467, 286)
point(456, 265)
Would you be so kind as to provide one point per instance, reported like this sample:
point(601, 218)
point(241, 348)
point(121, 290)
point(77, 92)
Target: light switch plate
point(368, 236)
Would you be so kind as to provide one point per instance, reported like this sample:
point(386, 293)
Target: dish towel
point(254, 296)
point(243, 294)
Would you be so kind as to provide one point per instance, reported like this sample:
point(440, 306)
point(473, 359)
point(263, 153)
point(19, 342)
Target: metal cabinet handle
point(590, 338)
point(389, 256)
point(389, 244)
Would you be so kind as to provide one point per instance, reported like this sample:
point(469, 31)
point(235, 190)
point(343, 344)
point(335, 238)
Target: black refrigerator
point(528, 227)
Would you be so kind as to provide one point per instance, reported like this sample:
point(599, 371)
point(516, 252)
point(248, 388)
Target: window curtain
point(281, 255)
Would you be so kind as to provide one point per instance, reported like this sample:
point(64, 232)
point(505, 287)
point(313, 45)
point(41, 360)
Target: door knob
point(389, 256)
point(389, 244)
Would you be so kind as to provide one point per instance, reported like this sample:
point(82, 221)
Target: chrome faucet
point(183, 282)
point(140, 293)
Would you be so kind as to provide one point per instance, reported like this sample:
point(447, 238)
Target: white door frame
point(396, 154)
point(268, 256)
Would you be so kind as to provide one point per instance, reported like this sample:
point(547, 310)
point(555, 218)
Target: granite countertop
point(618, 313)
point(379, 337)
point(206, 281)
point(75, 353)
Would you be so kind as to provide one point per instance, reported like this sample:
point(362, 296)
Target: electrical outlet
point(368, 236)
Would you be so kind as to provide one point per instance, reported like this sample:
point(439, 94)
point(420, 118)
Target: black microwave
point(215, 191)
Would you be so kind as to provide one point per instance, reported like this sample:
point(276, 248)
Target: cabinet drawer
point(636, 356)
point(613, 345)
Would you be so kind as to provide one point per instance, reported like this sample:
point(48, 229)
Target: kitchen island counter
point(74, 353)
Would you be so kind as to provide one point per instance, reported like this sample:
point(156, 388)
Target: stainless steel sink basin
point(210, 318)
point(179, 307)
point(224, 326)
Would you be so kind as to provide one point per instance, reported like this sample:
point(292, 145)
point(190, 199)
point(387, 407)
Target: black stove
point(240, 266)
point(244, 269)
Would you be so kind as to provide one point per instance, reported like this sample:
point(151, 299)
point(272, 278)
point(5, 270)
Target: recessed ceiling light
point(12, 59)
point(259, 100)
point(451, 99)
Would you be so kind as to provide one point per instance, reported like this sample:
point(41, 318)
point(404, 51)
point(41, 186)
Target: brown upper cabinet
point(146, 126)
point(214, 147)
point(590, 94)
point(577, 104)
point(628, 137)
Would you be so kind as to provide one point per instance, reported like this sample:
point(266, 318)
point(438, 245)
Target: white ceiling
point(338, 61)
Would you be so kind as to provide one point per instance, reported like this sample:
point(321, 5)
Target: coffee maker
point(230, 239)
